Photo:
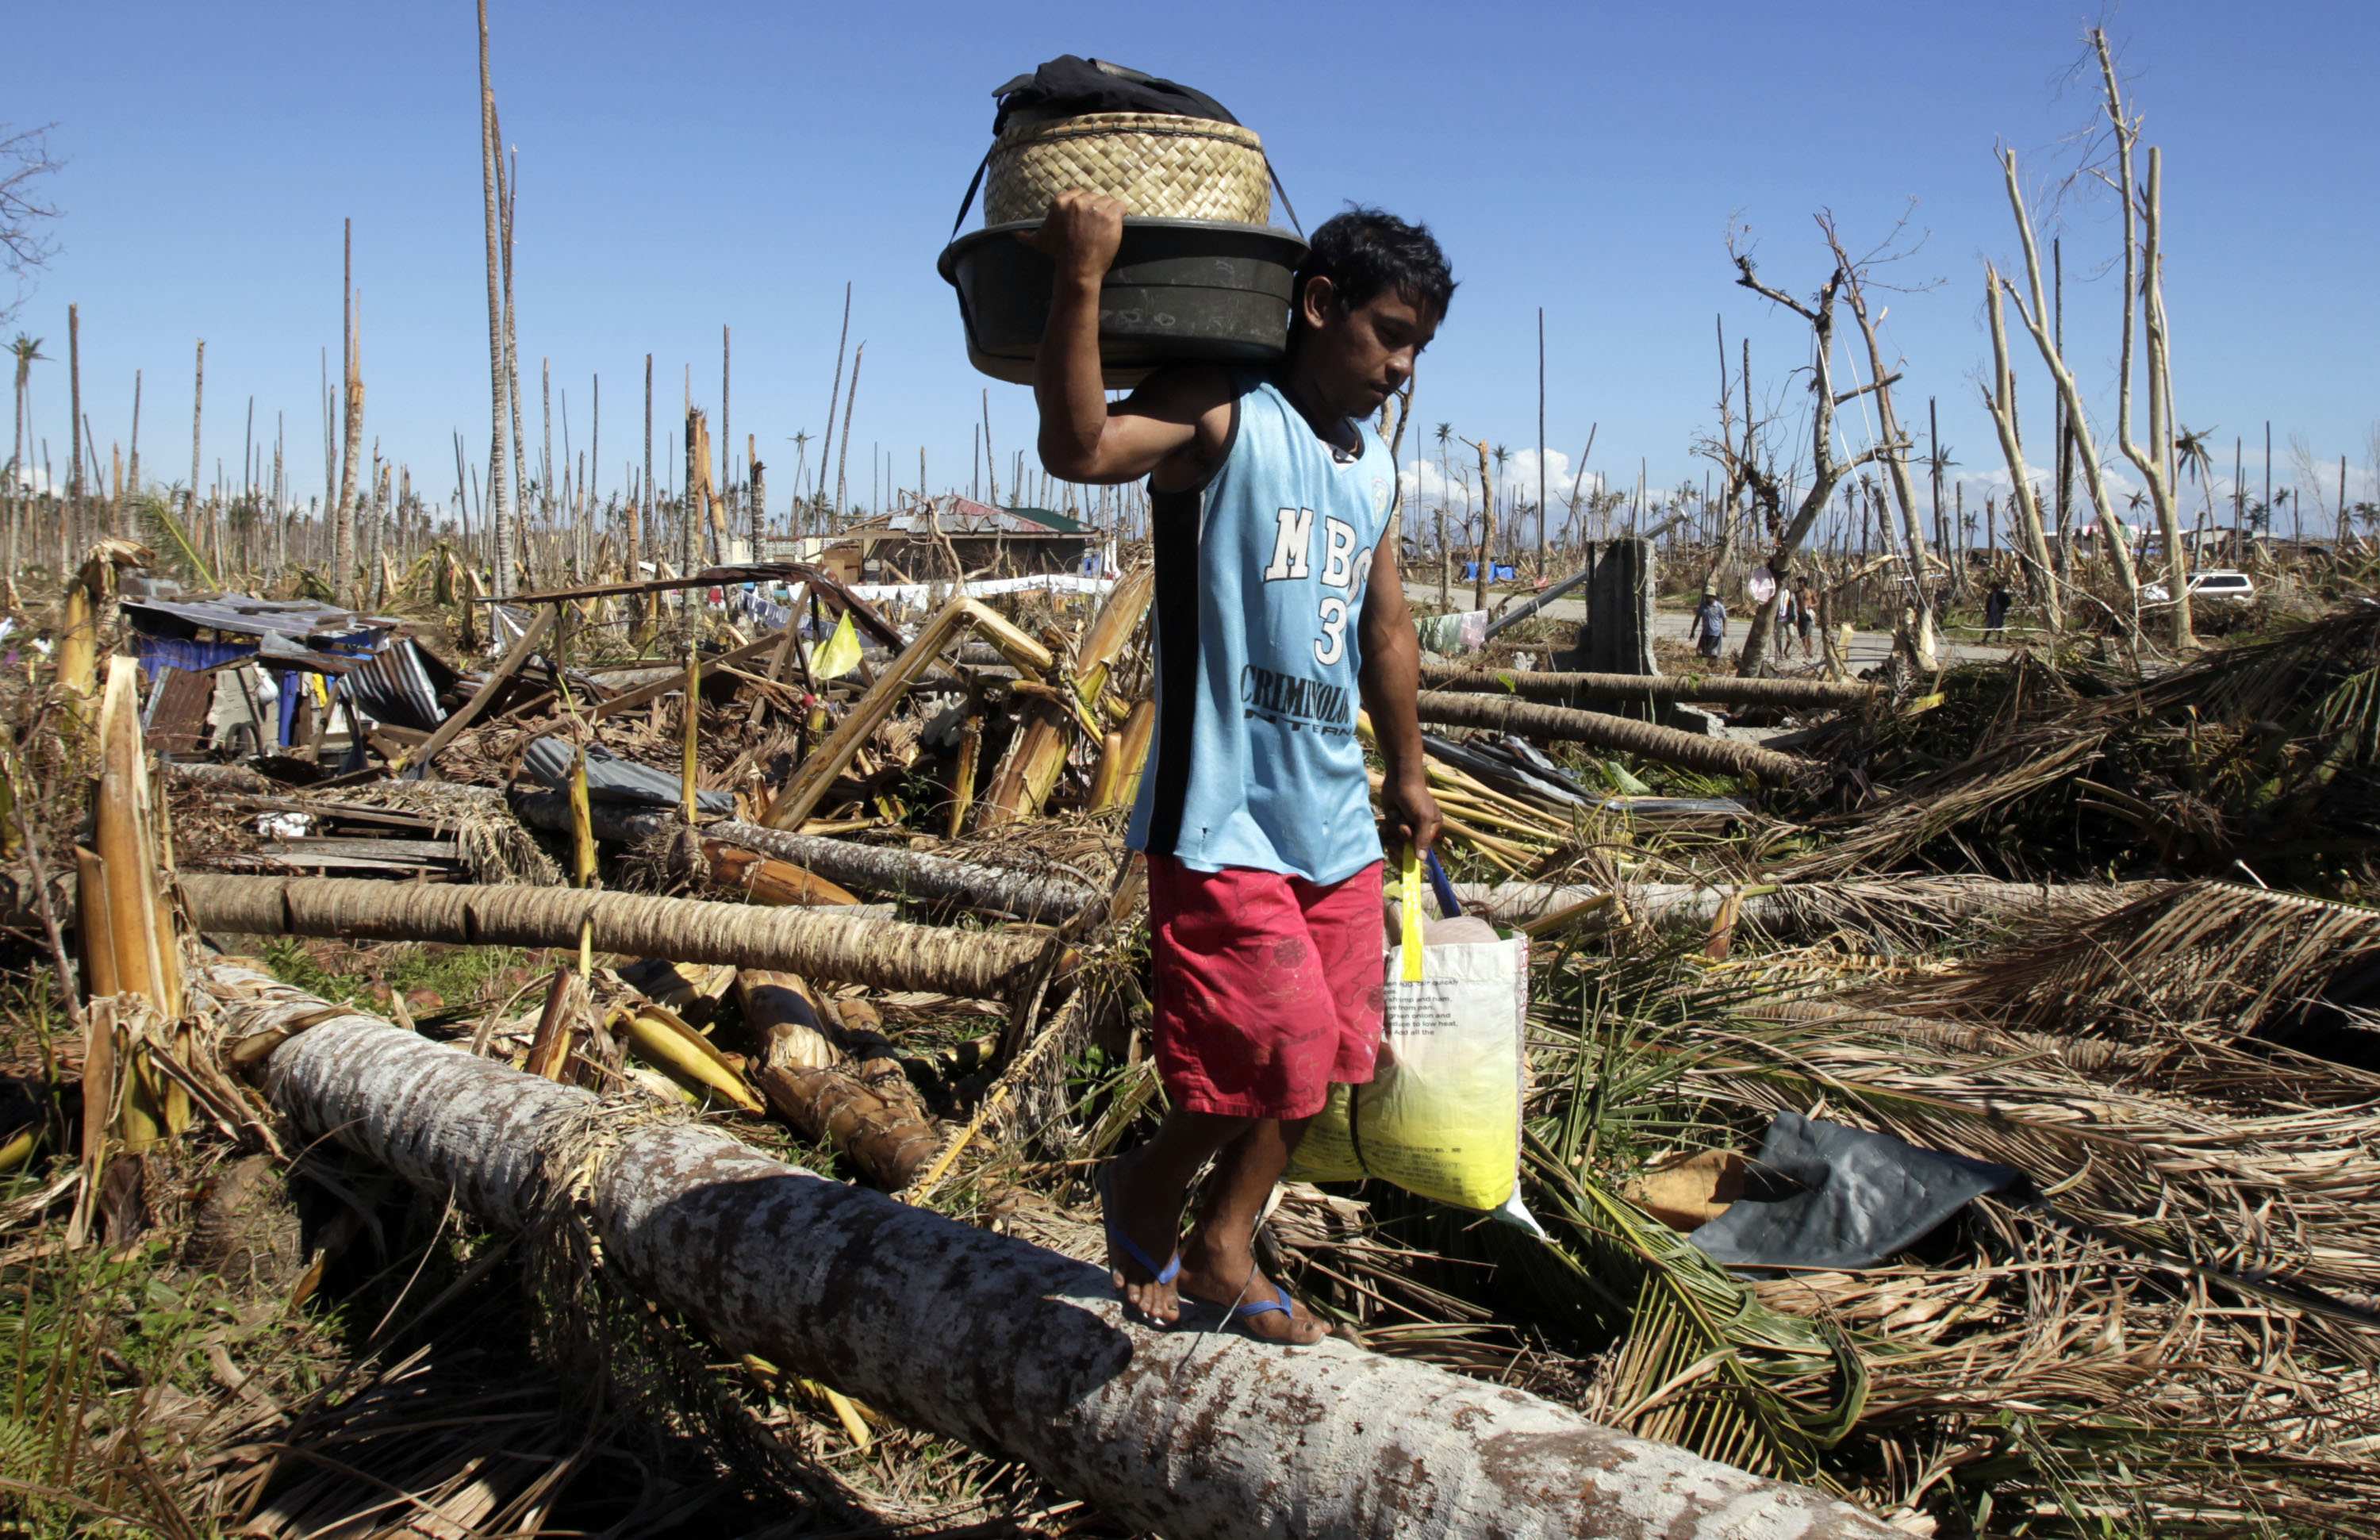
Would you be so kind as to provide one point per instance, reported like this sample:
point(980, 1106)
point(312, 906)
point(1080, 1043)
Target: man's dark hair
point(1366, 252)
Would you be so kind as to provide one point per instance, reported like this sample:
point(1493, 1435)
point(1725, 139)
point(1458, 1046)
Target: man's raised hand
point(1080, 233)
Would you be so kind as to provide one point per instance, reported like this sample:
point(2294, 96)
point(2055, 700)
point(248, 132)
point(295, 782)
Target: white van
point(2216, 584)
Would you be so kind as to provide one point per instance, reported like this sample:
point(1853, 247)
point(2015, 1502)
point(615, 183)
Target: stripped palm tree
point(2189, 446)
point(27, 352)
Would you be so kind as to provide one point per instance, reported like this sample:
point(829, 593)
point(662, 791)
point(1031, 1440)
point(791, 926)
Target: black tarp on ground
point(1855, 1198)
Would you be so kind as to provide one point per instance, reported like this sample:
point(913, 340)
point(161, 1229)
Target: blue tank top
point(1261, 579)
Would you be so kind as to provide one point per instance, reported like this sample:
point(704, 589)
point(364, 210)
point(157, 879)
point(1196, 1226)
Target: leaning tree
point(1826, 471)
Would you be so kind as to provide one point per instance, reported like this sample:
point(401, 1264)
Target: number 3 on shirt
point(1332, 643)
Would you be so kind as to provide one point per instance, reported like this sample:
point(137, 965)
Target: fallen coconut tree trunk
point(885, 955)
point(1804, 907)
point(1714, 688)
point(991, 1341)
point(886, 871)
point(1598, 729)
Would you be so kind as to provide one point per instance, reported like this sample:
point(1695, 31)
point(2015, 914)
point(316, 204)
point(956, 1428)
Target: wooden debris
point(514, 660)
point(801, 794)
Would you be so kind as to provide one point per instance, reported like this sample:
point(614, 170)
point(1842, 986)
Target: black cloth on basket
point(1069, 86)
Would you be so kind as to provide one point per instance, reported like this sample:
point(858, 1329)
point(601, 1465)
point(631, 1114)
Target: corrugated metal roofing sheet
point(612, 779)
point(964, 516)
point(245, 615)
point(401, 684)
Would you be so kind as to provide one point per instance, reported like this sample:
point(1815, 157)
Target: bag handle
point(973, 183)
point(1449, 905)
point(1409, 901)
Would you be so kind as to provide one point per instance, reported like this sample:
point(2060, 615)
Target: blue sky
point(685, 166)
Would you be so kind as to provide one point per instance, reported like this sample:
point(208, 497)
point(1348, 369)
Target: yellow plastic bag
point(1441, 1116)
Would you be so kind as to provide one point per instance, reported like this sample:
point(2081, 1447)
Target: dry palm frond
point(494, 846)
point(2142, 1349)
point(2269, 751)
point(2211, 958)
point(2286, 1195)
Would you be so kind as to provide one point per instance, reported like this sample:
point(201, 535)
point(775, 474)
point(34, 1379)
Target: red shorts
point(1268, 986)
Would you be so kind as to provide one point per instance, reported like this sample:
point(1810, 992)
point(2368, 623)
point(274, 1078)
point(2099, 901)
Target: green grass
point(460, 975)
point(103, 1362)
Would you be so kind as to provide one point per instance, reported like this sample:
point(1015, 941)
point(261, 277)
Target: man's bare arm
point(1392, 681)
point(1180, 416)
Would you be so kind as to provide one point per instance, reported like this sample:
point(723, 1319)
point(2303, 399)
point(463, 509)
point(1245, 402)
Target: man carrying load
point(1280, 608)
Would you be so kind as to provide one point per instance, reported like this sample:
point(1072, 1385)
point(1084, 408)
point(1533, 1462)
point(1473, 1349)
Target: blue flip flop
point(1253, 1308)
point(1119, 1240)
point(1240, 1314)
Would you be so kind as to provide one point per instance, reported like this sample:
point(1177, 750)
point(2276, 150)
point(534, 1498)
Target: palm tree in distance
point(801, 442)
point(1444, 434)
point(2190, 448)
point(26, 351)
point(1502, 454)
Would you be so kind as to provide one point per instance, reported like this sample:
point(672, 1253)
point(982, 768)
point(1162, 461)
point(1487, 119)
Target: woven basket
point(1162, 166)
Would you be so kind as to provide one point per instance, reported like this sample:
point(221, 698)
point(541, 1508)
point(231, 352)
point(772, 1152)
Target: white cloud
point(32, 481)
point(1425, 485)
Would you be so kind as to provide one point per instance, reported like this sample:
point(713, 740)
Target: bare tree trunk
point(1445, 559)
point(2078, 422)
point(343, 537)
point(1804, 908)
point(886, 870)
point(726, 433)
point(1541, 440)
point(1717, 689)
point(73, 429)
point(508, 191)
point(1825, 470)
point(843, 451)
point(2152, 459)
point(595, 471)
point(1646, 740)
point(694, 504)
point(343, 532)
point(2002, 403)
point(641, 518)
point(759, 493)
point(990, 1339)
point(198, 403)
point(545, 450)
point(816, 944)
point(836, 394)
point(132, 472)
point(499, 532)
point(991, 466)
point(1912, 529)
point(1487, 529)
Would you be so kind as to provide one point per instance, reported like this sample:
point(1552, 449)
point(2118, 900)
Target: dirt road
point(1867, 650)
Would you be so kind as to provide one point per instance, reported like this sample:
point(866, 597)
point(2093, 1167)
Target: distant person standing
point(1805, 617)
point(1709, 631)
point(1996, 609)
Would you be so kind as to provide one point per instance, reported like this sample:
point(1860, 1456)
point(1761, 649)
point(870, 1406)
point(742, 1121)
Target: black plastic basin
point(1180, 291)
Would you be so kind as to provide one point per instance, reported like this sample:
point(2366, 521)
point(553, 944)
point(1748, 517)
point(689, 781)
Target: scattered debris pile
point(805, 989)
